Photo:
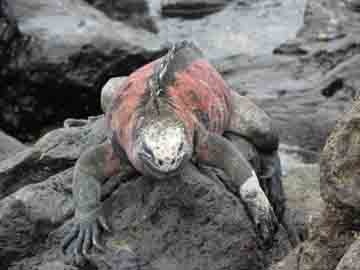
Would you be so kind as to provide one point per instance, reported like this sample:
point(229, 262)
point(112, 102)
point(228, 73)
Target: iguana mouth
point(152, 171)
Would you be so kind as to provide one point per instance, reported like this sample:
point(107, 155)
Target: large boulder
point(350, 261)
point(302, 189)
point(340, 184)
point(327, 243)
point(57, 56)
point(331, 241)
point(190, 222)
point(9, 146)
point(53, 153)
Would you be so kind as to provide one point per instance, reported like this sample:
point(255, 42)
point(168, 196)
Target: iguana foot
point(260, 209)
point(84, 235)
point(271, 183)
point(266, 226)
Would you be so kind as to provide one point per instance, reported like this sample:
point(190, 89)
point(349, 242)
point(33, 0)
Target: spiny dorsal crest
point(177, 58)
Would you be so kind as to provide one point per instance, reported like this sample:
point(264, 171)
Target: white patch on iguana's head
point(164, 146)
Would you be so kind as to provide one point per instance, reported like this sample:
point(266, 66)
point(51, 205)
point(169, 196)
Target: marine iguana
point(164, 116)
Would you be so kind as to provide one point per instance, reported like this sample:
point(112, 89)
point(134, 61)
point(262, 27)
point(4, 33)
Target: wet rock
point(133, 12)
point(191, 8)
point(59, 54)
point(339, 170)
point(9, 146)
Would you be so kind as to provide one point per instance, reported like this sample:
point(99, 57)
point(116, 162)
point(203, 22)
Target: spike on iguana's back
point(177, 59)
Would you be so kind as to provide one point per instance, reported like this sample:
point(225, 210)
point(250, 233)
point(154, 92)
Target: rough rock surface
point(57, 56)
point(339, 162)
point(309, 83)
point(9, 146)
point(53, 153)
point(301, 185)
point(350, 261)
point(192, 222)
point(327, 243)
point(333, 240)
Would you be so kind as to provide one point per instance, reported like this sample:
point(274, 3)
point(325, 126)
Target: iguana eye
point(147, 151)
point(181, 146)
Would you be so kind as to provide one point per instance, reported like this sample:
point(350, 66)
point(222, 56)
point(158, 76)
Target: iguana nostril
point(160, 162)
point(181, 146)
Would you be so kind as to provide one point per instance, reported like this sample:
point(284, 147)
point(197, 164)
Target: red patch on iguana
point(199, 96)
point(199, 93)
point(122, 116)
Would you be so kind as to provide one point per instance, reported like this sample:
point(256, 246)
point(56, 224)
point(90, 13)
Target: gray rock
point(178, 225)
point(191, 8)
point(339, 170)
point(9, 146)
point(189, 222)
point(350, 261)
point(53, 153)
point(29, 214)
point(294, 94)
point(353, 4)
point(302, 189)
point(57, 56)
point(326, 245)
point(133, 12)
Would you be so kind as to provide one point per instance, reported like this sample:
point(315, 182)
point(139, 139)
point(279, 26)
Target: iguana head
point(162, 147)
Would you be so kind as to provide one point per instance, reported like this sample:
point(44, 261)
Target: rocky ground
point(55, 57)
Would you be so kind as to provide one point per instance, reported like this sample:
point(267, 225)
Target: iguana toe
point(267, 227)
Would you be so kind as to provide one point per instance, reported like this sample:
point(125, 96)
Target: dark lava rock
point(57, 56)
point(294, 94)
point(53, 153)
point(191, 8)
point(190, 222)
point(133, 12)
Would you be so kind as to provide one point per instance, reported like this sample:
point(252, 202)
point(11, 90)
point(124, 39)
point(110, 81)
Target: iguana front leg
point(215, 150)
point(94, 165)
point(251, 122)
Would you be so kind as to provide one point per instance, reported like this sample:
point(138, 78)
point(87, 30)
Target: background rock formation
point(56, 57)
point(49, 73)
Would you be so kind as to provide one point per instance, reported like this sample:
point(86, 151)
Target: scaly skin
point(164, 116)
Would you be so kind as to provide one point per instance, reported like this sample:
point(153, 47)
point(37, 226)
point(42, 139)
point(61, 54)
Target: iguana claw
point(84, 235)
point(267, 226)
